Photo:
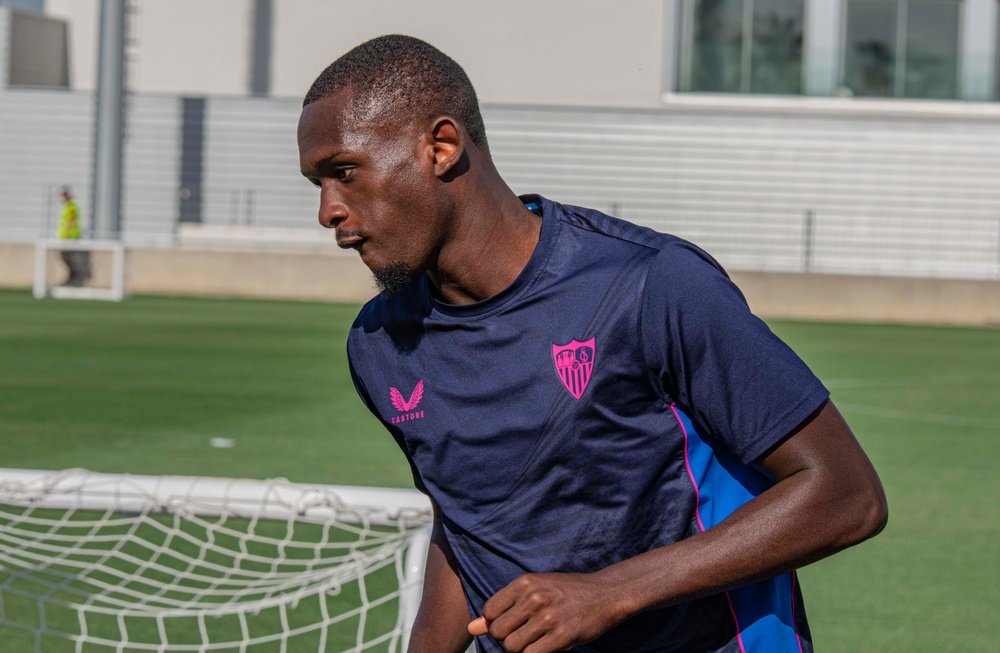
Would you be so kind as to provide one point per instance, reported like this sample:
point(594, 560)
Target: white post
point(822, 41)
point(409, 597)
point(978, 55)
point(40, 282)
point(106, 212)
point(4, 47)
point(118, 272)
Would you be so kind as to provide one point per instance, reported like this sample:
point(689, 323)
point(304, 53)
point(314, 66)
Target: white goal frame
point(115, 293)
point(276, 499)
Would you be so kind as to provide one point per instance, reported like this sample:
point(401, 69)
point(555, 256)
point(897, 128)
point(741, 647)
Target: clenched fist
point(542, 613)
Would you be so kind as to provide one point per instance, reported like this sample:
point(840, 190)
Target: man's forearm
point(809, 515)
point(826, 498)
point(441, 622)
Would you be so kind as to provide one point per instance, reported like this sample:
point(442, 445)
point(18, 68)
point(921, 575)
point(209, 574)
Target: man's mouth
point(349, 242)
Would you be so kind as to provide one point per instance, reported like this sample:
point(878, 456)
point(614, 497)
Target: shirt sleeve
point(721, 364)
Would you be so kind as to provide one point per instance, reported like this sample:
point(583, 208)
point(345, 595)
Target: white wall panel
point(151, 163)
point(4, 47)
point(890, 194)
point(46, 141)
point(190, 46)
point(760, 189)
point(82, 17)
point(520, 51)
point(252, 165)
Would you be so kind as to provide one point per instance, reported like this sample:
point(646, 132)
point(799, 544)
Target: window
point(901, 48)
point(742, 46)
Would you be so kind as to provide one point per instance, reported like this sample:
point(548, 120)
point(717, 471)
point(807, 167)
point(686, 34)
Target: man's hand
point(540, 613)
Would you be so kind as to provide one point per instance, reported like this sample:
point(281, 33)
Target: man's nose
point(332, 210)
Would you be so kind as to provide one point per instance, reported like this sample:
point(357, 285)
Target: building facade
point(858, 136)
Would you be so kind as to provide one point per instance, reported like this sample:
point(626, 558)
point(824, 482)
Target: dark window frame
point(686, 73)
point(900, 53)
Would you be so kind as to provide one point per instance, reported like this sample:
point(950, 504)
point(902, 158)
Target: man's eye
point(342, 173)
point(315, 182)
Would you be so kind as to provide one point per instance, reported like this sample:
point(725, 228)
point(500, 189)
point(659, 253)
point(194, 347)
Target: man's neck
point(494, 238)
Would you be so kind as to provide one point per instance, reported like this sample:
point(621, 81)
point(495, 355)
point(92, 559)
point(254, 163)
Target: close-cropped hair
point(401, 78)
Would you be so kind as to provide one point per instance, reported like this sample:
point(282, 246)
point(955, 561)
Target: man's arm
point(827, 497)
point(441, 622)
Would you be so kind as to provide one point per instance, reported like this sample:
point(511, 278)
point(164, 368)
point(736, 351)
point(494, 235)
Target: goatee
point(393, 279)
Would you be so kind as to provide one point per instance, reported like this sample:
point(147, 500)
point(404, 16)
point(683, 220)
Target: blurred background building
point(838, 137)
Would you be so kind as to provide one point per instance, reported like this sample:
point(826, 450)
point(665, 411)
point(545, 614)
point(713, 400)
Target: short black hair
point(403, 77)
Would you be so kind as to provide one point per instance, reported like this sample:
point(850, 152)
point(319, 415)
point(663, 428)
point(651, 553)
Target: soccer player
point(621, 457)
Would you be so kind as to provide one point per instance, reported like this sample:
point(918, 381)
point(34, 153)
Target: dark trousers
point(79, 266)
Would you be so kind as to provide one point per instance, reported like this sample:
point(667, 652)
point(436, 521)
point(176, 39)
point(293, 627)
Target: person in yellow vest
point(78, 262)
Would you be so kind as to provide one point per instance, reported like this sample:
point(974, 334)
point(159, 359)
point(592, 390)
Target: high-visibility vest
point(69, 222)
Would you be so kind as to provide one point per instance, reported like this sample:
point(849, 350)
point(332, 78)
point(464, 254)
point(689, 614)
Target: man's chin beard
point(392, 279)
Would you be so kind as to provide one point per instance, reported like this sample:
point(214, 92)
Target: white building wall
point(978, 54)
point(191, 47)
point(576, 52)
point(786, 188)
point(46, 141)
point(763, 189)
point(560, 52)
point(187, 47)
point(82, 17)
point(251, 165)
point(151, 168)
point(4, 47)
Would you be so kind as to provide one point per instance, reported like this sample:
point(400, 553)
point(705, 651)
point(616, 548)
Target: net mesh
point(93, 562)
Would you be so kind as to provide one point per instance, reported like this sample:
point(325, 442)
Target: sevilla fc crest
point(574, 364)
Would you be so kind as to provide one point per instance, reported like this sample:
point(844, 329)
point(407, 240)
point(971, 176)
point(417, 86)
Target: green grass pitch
point(143, 386)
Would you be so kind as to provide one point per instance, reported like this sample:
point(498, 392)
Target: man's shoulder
point(667, 251)
point(603, 225)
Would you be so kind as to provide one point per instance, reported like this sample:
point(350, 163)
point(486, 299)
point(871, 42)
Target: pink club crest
point(574, 364)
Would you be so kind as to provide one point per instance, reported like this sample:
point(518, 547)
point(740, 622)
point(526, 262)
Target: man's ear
point(447, 144)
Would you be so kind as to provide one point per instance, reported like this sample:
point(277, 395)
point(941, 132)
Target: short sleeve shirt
point(610, 401)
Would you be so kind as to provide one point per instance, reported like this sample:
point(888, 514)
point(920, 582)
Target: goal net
point(100, 562)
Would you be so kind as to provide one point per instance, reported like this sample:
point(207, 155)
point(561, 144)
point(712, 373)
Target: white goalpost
point(116, 562)
point(115, 291)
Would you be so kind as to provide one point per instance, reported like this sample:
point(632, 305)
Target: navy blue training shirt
point(608, 402)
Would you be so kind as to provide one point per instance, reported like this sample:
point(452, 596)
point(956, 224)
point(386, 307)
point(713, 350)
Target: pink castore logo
point(402, 405)
point(574, 364)
point(406, 407)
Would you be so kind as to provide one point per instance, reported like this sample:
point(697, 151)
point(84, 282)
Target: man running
point(621, 457)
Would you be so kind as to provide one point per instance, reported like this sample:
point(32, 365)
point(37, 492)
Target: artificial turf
point(143, 386)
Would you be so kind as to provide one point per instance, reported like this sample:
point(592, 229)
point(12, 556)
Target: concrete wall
point(852, 298)
point(331, 275)
point(337, 276)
